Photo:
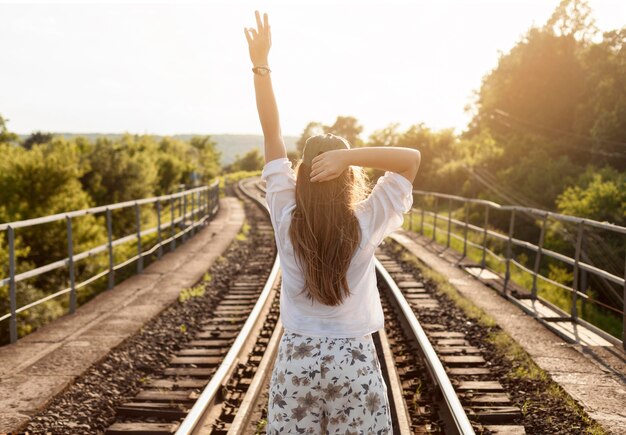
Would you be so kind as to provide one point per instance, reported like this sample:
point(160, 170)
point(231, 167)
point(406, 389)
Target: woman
point(327, 378)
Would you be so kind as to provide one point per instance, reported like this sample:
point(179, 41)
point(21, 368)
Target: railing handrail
point(530, 246)
point(536, 211)
point(201, 210)
point(576, 262)
point(101, 208)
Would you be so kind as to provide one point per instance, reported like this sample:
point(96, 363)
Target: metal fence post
point(172, 226)
point(139, 250)
point(422, 220)
point(533, 290)
point(216, 200)
point(576, 285)
point(465, 229)
point(209, 207)
point(159, 235)
point(208, 203)
point(110, 248)
point(449, 221)
point(483, 262)
point(70, 264)
point(435, 220)
point(183, 221)
point(12, 292)
point(201, 204)
point(624, 309)
point(180, 201)
point(193, 213)
point(584, 283)
point(509, 251)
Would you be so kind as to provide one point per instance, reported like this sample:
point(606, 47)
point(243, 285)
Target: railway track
point(218, 382)
point(216, 365)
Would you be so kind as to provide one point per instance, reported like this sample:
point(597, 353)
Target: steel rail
point(436, 369)
point(239, 425)
point(208, 395)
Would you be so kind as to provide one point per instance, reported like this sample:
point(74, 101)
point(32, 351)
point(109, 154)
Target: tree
point(553, 104)
point(251, 161)
point(208, 160)
point(5, 135)
point(602, 115)
point(347, 127)
point(37, 138)
point(598, 195)
point(387, 136)
point(572, 18)
point(173, 165)
point(119, 171)
point(311, 129)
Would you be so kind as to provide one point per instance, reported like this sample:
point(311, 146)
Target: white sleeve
point(384, 209)
point(280, 181)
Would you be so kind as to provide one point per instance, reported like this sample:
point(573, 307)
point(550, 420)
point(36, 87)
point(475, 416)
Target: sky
point(184, 68)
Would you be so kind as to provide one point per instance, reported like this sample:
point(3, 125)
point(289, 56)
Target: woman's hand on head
point(328, 165)
point(259, 40)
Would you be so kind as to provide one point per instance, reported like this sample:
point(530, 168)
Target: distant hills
point(229, 144)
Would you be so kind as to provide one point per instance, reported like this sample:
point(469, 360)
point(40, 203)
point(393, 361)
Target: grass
point(260, 426)
point(242, 235)
point(550, 292)
point(234, 177)
point(189, 293)
point(524, 366)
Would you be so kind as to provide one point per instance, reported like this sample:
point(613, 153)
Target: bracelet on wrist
point(261, 70)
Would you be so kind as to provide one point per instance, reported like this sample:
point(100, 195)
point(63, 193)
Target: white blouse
point(379, 214)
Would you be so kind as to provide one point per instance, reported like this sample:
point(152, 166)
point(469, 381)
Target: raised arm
point(404, 161)
point(259, 43)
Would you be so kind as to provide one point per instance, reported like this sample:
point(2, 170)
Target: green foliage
point(36, 139)
point(347, 127)
point(312, 129)
point(6, 137)
point(252, 161)
point(189, 293)
point(234, 177)
point(598, 195)
point(46, 175)
point(242, 235)
point(121, 170)
point(385, 137)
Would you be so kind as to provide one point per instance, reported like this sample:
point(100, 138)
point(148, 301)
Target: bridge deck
point(594, 375)
point(44, 363)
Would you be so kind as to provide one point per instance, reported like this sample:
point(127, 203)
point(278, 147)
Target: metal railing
point(579, 263)
point(194, 207)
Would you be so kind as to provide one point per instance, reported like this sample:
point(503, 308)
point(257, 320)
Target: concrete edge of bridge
point(41, 365)
point(595, 376)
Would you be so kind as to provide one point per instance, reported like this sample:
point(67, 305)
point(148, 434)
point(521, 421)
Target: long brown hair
point(325, 232)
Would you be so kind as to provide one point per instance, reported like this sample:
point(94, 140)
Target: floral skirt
point(324, 385)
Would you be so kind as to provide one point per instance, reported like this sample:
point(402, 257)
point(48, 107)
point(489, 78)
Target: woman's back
point(379, 214)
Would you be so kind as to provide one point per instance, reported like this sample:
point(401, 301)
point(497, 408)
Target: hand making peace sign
point(259, 40)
